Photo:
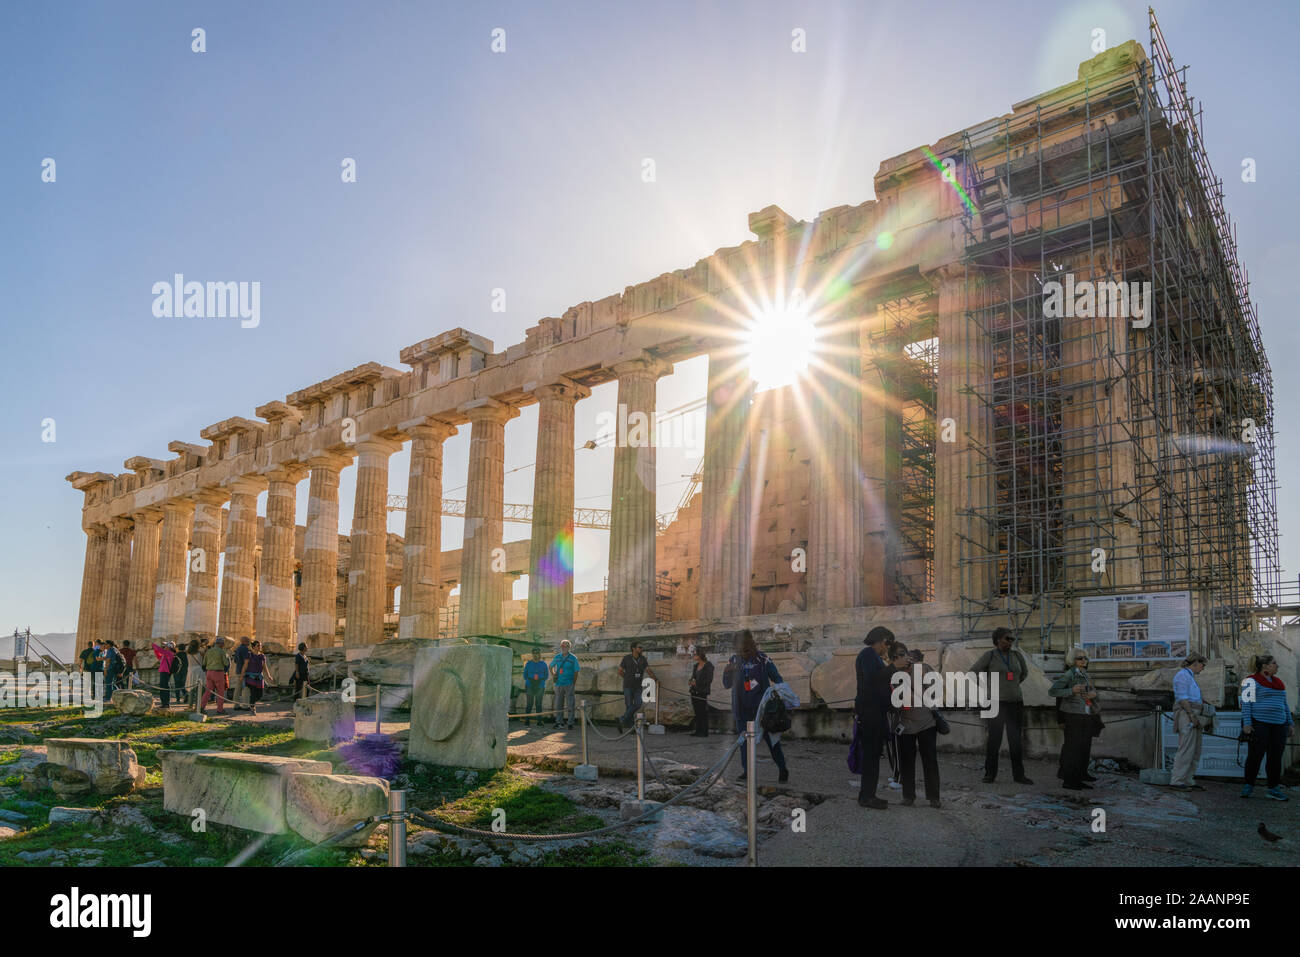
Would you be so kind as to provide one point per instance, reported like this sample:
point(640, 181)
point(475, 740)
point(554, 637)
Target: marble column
point(140, 589)
point(275, 580)
point(205, 550)
point(726, 535)
point(835, 507)
point(630, 598)
point(422, 551)
point(962, 476)
point(482, 561)
point(550, 554)
point(367, 569)
point(320, 555)
point(881, 448)
point(173, 563)
point(238, 572)
point(92, 585)
point(117, 572)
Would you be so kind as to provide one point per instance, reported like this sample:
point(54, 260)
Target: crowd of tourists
point(885, 670)
point(192, 675)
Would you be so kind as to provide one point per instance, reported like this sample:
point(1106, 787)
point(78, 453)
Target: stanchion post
point(396, 828)
point(640, 757)
point(751, 792)
point(379, 694)
point(583, 719)
point(584, 771)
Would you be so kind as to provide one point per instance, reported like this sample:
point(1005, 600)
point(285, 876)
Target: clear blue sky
point(477, 171)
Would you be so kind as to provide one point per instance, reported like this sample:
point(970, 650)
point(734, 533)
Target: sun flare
point(781, 344)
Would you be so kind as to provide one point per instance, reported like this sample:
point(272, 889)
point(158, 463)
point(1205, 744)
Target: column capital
point(151, 515)
point(120, 524)
point(246, 485)
point(379, 445)
point(644, 365)
point(557, 387)
point(435, 430)
point(487, 410)
point(183, 505)
point(948, 273)
point(329, 461)
point(210, 496)
point(286, 472)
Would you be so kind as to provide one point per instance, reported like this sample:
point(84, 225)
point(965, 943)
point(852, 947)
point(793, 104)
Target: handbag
point(855, 762)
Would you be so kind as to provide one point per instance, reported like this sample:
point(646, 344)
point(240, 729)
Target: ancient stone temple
point(964, 451)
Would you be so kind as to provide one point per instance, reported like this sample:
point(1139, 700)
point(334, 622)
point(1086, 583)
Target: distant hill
point(62, 646)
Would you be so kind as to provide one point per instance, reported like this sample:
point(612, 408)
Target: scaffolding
point(1117, 452)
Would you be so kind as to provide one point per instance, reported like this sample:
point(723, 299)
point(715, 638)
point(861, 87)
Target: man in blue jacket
point(535, 673)
point(564, 667)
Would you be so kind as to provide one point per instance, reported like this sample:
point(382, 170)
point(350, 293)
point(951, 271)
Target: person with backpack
point(301, 670)
point(1010, 671)
point(870, 708)
point(194, 673)
point(915, 729)
point(748, 675)
point(700, 685)
point(113, 666)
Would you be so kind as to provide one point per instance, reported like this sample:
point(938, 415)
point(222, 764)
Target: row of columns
point(155, 575)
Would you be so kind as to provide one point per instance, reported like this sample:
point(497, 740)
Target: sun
point(781, 341)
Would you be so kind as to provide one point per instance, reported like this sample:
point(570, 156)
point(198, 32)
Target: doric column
point(483, 587)
point(367, 568)
point(141, 586)
point(239, 571)
point(835, 565)
point(275, 582)
point(423, 536)
point(117, 572)
point(881, 440)
point(726, 535)
point(173, 563)
point(550, 554)
point(962, 476)
point(92, 585)
point(320, 554)
point(630, 598)
point(205, 550)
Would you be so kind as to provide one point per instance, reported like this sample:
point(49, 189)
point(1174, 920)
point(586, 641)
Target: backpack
point(776, 716)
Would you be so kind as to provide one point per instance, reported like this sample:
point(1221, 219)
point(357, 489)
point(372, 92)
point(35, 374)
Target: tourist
point(748, 675)
point(1266, 720)
point(700, 684)
point(1079, 714)
point(1188, 710)
point(915, 730)
point(1011, 670)
point(870, 707)
point(215, 664)
point(254, 675)
point(301, 671)
point(180, 670)
point(564, 668)
point(535, 673)
point(166, 661)
point(128, 663)
point(113, 666)
point(632, 669)
point(194, 673)
point(239, 663)
point(87, 657)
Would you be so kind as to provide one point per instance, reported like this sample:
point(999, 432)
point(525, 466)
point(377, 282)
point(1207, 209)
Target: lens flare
point(781, 343)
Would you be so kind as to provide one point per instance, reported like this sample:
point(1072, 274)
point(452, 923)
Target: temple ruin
point(962, 467)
